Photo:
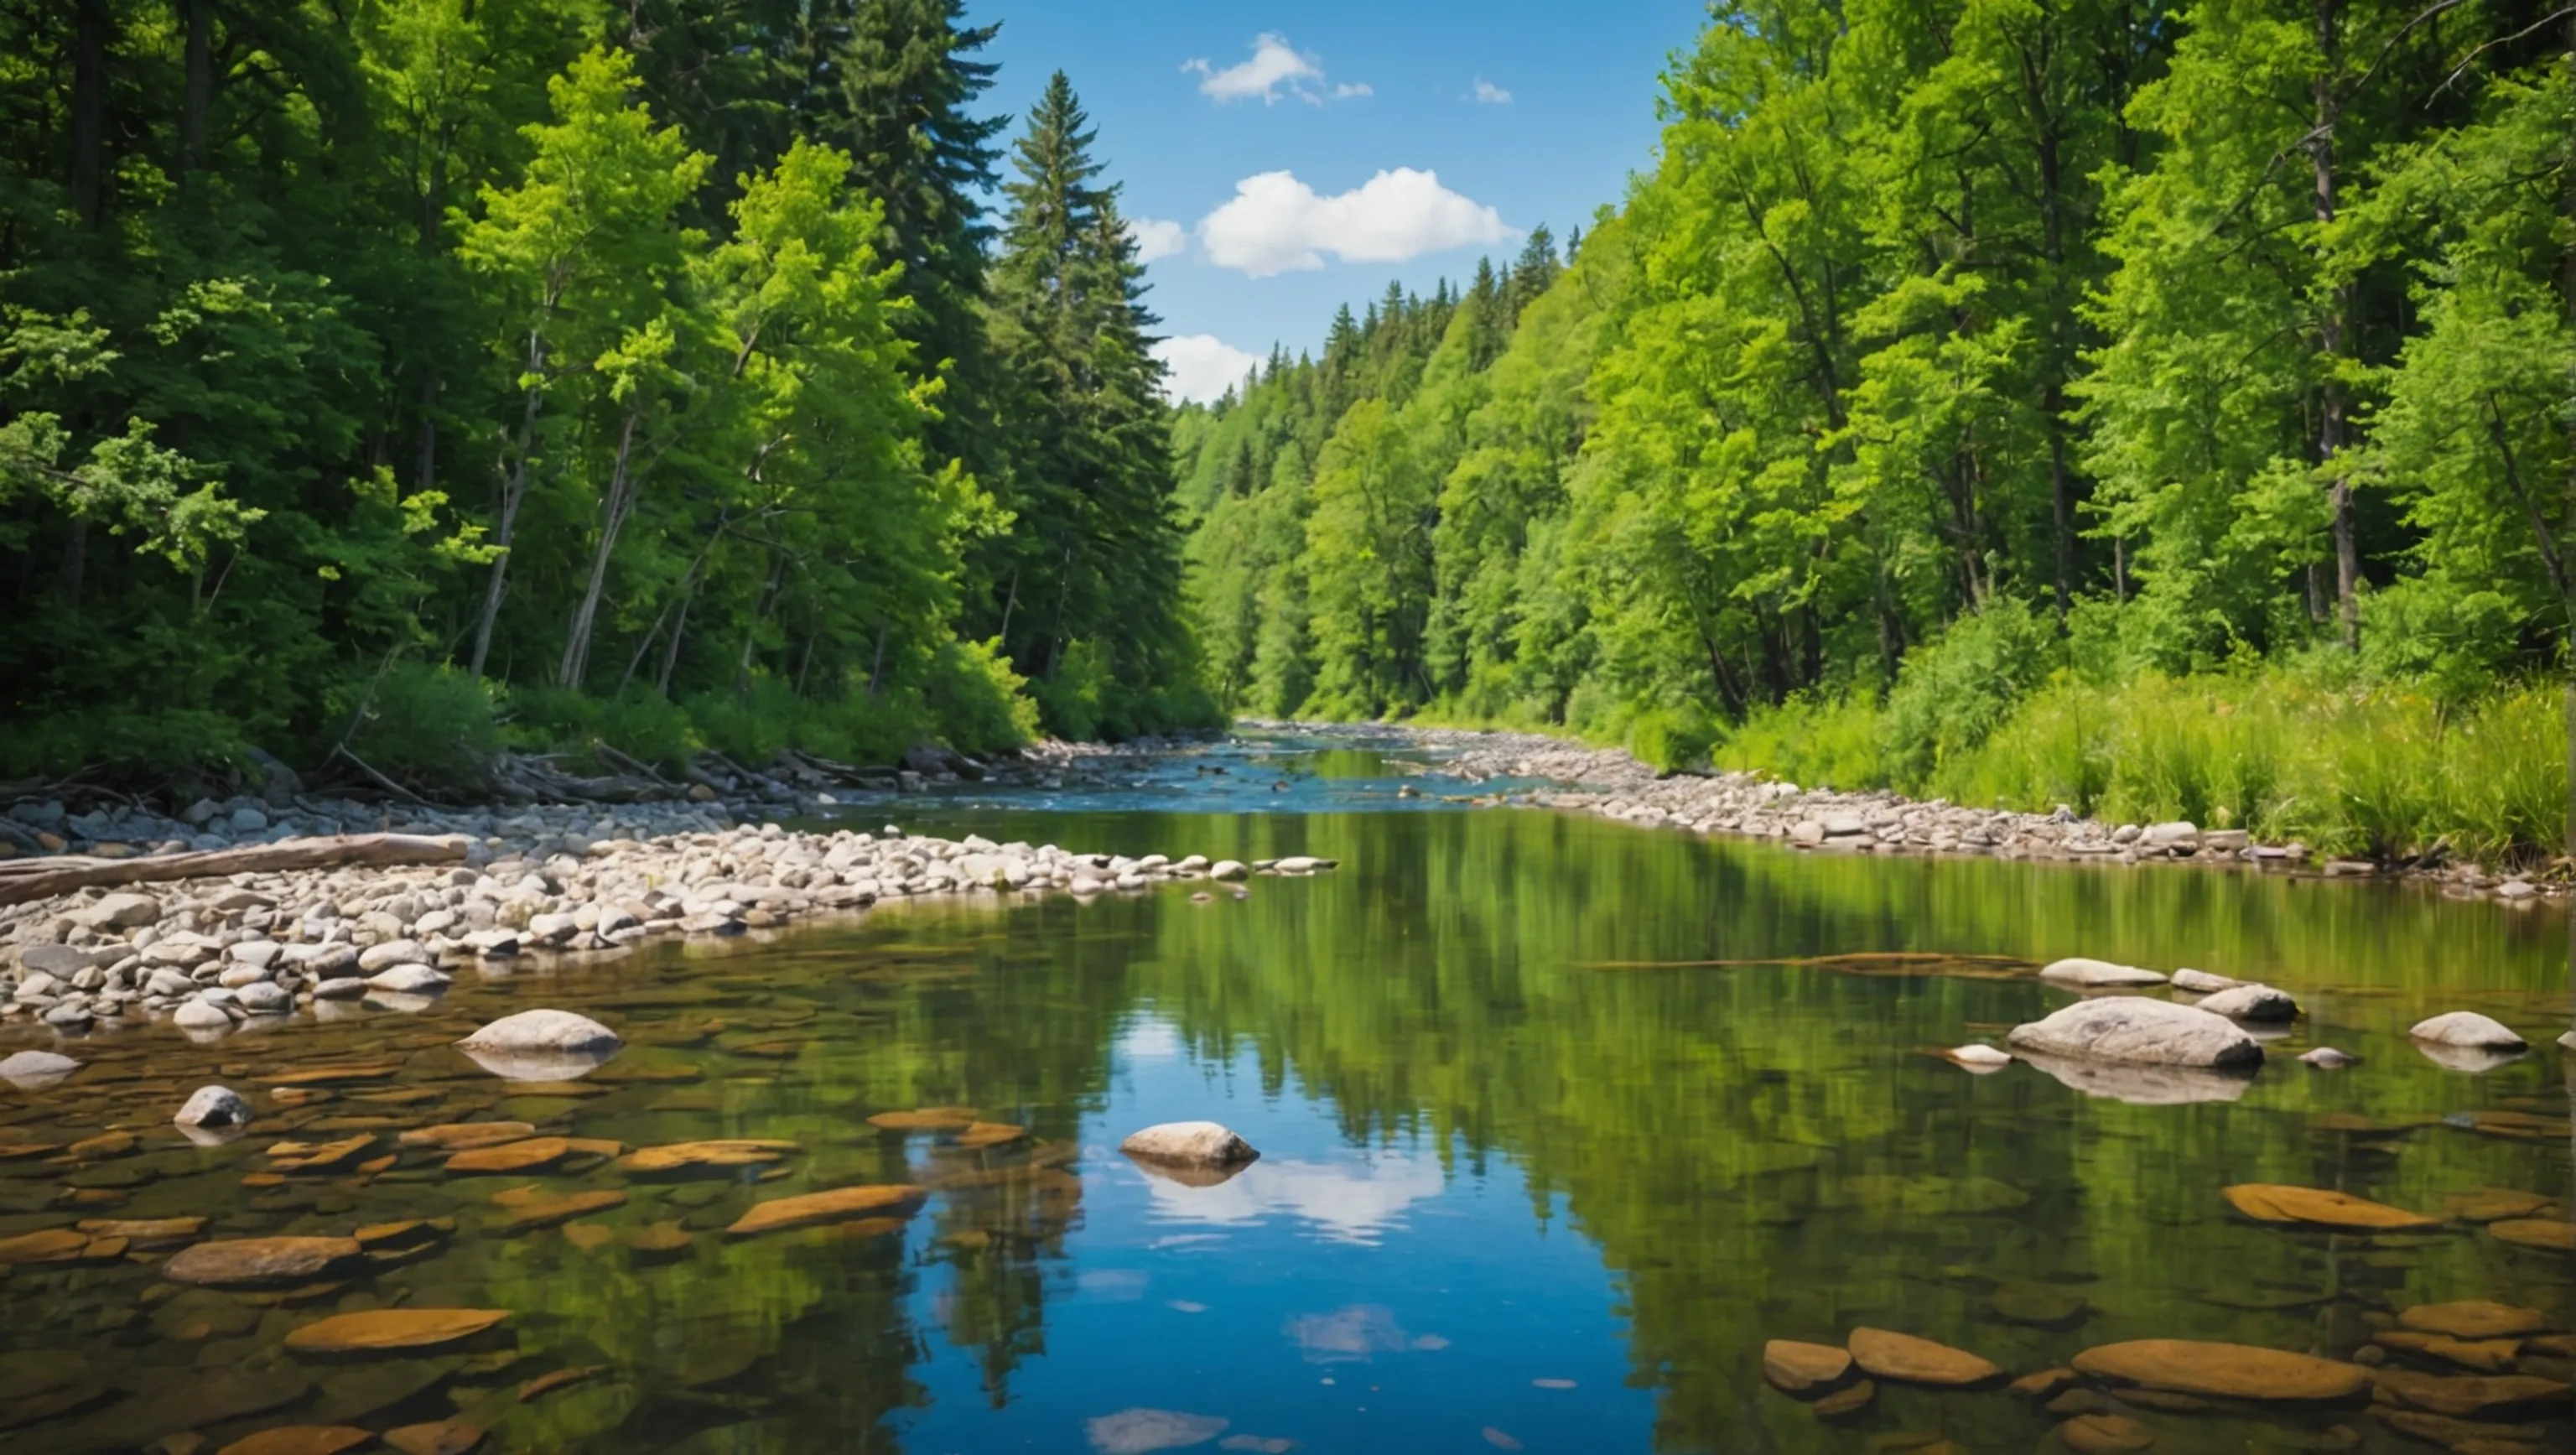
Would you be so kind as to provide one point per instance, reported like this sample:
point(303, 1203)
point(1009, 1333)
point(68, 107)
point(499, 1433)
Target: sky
point(1278, 160)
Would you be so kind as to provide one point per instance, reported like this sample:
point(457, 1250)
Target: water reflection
point(1500, 1191)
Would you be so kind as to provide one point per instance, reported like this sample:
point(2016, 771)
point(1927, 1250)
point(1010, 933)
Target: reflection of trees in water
point(1742, 1148)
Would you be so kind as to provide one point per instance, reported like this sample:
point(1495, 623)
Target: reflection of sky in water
point(1351, 1202)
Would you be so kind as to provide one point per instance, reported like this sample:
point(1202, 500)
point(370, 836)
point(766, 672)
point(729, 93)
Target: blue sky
point(1286, 158)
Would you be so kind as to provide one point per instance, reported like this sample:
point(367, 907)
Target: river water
point(1536, 1173)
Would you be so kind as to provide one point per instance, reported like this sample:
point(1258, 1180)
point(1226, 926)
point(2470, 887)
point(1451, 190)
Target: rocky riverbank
point(1613, 784)
point(211, 954)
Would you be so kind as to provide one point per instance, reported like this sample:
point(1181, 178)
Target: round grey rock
point(541, 1045)
point(2468, 1029)
point(2201, 982)
point(1189, 1144)
point(409, 979)
point(2086, 974)
point(214, 1108)
point(2252, 1003)
point(36, 1070)
point(199, 1015)
point(2129, 1028)
point(2329, 1059)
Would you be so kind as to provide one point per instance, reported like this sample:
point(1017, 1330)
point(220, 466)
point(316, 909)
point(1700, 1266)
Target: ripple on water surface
point(1563, 1125)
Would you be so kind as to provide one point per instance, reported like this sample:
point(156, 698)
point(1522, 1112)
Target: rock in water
point(1804, 1370)
point(2084, 974)
point(2330, 1059)
point(2469, 1030)
point(36, 1070)
point(376, 1330)
point(257, 1262)
point(2251, 1003)
point(1190, 1145)
point(1137, 1432)
point(2201, 982)
point(1904, 1357)
point(541, 1045)
point(1979, 1057)
point(2322, 1207)
point(2474, 1319)
point(214, 1109)
point(2125, 1028)
point(2232, 1371)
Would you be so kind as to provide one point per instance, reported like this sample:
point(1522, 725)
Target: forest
point(2163, 411)
point(400, 380)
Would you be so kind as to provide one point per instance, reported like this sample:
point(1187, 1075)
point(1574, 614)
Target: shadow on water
point(1508, 1198)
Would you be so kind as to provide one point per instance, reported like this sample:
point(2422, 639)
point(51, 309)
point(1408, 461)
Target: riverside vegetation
point(2156, 410)
point(401, 380)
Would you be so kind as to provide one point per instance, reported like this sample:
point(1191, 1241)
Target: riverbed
point(1562, 1122)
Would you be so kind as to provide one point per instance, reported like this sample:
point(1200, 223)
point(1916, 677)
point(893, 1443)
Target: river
point(1554, 1138)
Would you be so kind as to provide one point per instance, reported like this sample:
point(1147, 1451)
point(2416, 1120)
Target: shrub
point(977, 702)
point(434, 725)
point(1811, 741)
point(1953, 693)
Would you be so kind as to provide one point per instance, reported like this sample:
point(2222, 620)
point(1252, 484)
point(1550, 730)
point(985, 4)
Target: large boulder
point(2150, 1032)
point(1197, 1153)
point(541, 1045)
point(2080, 973)
point(36, 1070)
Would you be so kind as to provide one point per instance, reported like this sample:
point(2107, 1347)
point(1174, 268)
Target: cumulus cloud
point(1156, 238)
point(1276, 69)
point(1490, 94)
point(1277, 224)
point(1201, 366)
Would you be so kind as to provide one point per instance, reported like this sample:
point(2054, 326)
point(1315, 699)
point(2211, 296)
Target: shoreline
point(1611, 783)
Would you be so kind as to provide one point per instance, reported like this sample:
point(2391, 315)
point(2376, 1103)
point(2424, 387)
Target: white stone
point(2087, 974)
point(2252, 1003)
point(214, 1108)
point(2468, 1029)
point(2201, 982)
point(1979, 1057)
point(120, 912)
point(1228, 869)
point(2132, 1028)
point(409, 980)
point(541, 1045)
point(1189, 1144)
point(346, 988)
point(392, 953)
point(36, 1070)
point(264, 998)
point(198, 1015)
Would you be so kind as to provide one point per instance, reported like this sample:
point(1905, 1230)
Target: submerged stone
point(925, 1119)
point(300, 1440)
point(1804, 1370)
point(2473, 1396)
point(257, 1262)
point(2323, 1208)
point(813, 1208)
point(389, 1329)
point(464, 1136)
point(1890, 1355)
point(2546, 1233)
point(2475, 1318)
point(2236, 1371)
point(2104, 1434)
point(710, 1156)
point(1141, 1431)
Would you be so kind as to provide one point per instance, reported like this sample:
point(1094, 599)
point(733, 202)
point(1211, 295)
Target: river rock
point(200, 1015)
point(2251, 1003)
point(2468, 1030)
point(2475, 1318)
point(1804, 1370)
point(541, 1045)
point(1904, 1357)
point(253, 1262)
point(63, 960)
point(2233, 1371)
point(36, 1070)
point(838, 1205)
point(2323, 1208)
point(1228, 869)
point(2330, 1059)
point(2127, 1028)
point(2104, 1434)
point(299, 1439)
point(1189, 1144)
point(1979, 1057)
point(409, 979)
point(214, 1109)
point(121, 912)
point(2472, 1396)
point(266, 998)
point(377, 1330)
point(392, 953)
point(2548, 1234)
point(2084, 974)
point(2201, 982)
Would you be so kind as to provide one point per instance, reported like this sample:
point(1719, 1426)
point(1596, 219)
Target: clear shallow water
point(1511, 1196)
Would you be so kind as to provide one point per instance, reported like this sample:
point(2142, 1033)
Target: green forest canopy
point(1946, 353)
point(378, 374)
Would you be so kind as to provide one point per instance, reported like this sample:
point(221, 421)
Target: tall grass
point(2286, 752)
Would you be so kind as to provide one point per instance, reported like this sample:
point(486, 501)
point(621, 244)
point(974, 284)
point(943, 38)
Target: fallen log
point(24, 880)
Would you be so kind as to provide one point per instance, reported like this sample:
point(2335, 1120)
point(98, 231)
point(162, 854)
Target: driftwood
point(1860, 960)
point(23, 880)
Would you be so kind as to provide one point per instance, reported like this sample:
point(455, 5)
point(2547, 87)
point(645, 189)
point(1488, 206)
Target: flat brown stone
point(2495, 1204)
point(51, 1245)
point(464, 1136)
point(2443, 1430)
point(393, 1328)
point(1918, 1361)
point(2322, 1208)
point(2488, 1355)
point(319, 1156)
point(2474, 1318)
point(2104, 1434)
point(708, 1156)
point(446, 1437)
point(2239, 1371)
point(299, 1440)
point(334, 1075)
point(979, 1135)
point(105, 1144)
point(2042, 1385)
point(1850, 1399)
point(252, 1262)
point(526, 1155)
point(2471, 1396)
point(145, 1232)
point(408, 1233)
point(838, 1205)
point(589, 1237)
point(559, 1379)
point(925, 1119)
point(532, 1207)
point(2544, 1233)
point(659, 1239)
point(1804, 1370)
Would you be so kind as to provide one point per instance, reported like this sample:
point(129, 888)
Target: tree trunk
point(514, 489)
point(2330, 342)
point(199, 89)
point(90, 22)
point(624, 484)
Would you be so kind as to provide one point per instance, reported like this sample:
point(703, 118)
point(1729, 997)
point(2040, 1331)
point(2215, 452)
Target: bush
point(978, 703)
point(434, 725)
point(1953, 693)
point(1810, 741)
point(1672, 738)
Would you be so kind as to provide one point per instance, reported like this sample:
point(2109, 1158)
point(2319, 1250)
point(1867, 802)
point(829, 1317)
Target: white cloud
point(1490, 94)
point(1202, 366)
point(1277, 224)
point(1342, 1202)
point(1157, 239)
point(1276, 69)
